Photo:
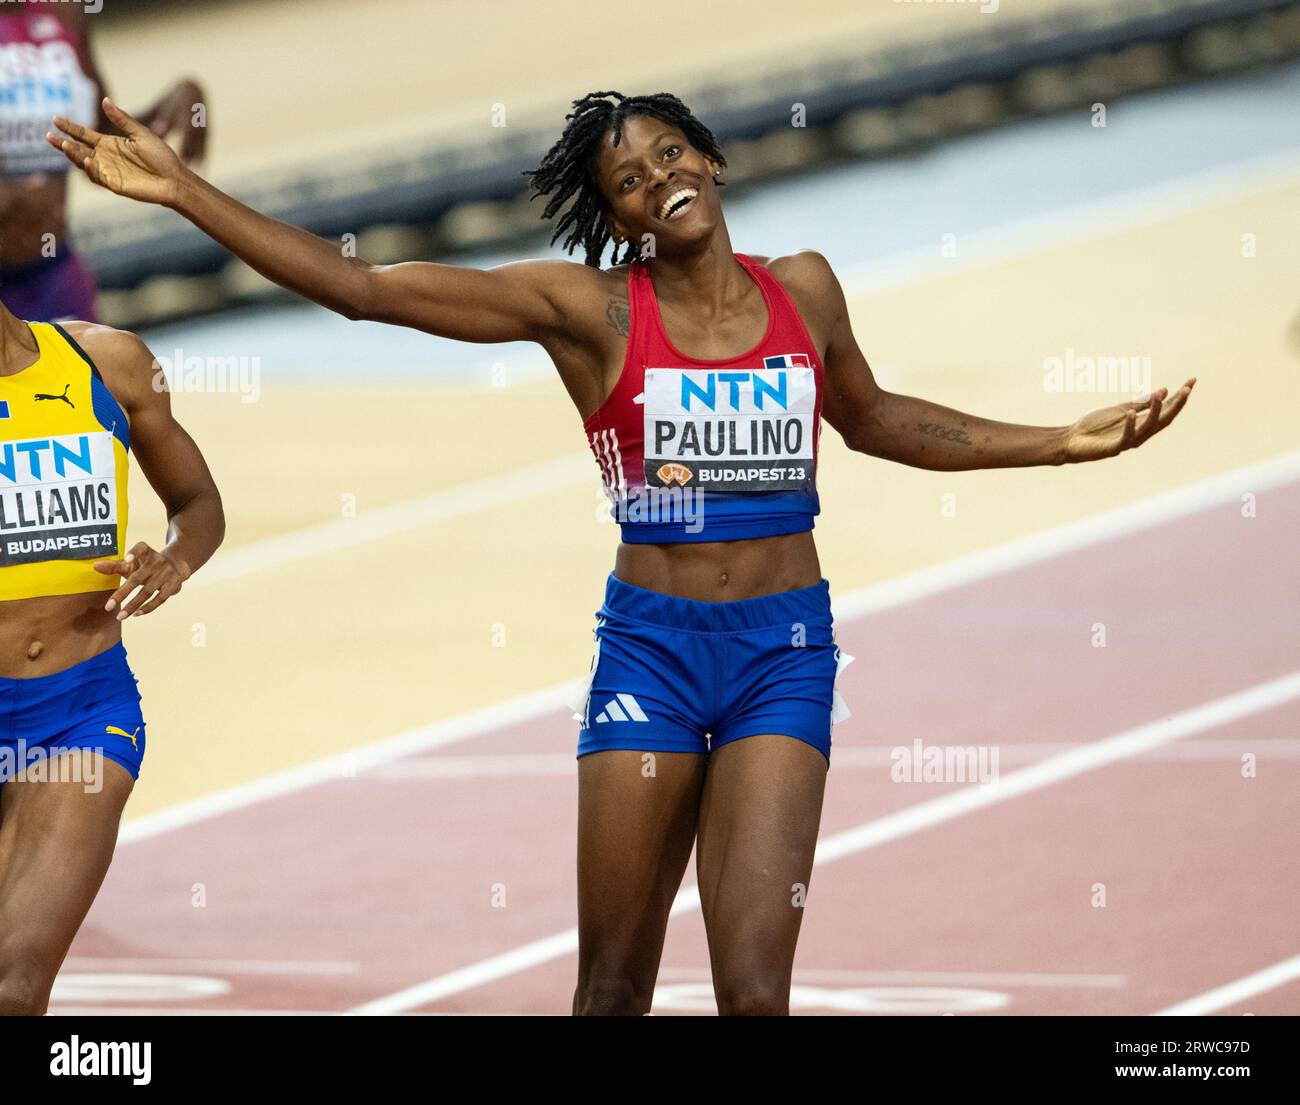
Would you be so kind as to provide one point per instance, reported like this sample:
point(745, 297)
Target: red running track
point(1127, 888)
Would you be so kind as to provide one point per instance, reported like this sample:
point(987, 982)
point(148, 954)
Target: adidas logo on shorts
point(629, 710)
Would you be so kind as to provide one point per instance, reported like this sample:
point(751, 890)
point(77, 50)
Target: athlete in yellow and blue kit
point(75, 402)
point(702, 376)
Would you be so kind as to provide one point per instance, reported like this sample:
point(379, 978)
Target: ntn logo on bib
point(736, 430)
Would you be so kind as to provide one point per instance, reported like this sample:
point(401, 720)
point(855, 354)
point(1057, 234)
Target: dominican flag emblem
point(4, 409)
point(787, 360)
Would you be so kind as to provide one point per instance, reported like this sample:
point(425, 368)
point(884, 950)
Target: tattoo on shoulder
point(944, 433)
point(618, 314)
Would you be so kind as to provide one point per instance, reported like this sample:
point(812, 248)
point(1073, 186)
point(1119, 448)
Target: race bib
point(58, 499)
point(734, 430)
point(38, 81)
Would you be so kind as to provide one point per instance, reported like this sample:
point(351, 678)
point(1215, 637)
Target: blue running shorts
point(677, 675)
point(93, 705)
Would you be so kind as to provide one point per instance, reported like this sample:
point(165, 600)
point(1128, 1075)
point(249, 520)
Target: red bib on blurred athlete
point(42, 74)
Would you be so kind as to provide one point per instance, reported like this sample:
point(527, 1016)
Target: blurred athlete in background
point(47, 68)
point(75, 402)
point(694, 368)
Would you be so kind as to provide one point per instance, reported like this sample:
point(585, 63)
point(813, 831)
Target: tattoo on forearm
point(619, 316)
point(944, 433)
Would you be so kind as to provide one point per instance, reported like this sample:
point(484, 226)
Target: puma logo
point(123, 733)
point(40, 398)
point(674, 473)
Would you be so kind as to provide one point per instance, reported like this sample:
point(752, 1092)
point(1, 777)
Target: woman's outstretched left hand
point(1111, 430)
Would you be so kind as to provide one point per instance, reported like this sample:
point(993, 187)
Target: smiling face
point(655, 182)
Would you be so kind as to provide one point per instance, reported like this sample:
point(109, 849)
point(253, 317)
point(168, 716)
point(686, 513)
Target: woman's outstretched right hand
point(140, 165)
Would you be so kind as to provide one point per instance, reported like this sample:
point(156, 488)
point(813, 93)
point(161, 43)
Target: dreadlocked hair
point(568, 169)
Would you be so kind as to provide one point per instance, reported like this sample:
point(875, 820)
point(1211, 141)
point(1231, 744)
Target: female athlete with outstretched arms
point(701, 376)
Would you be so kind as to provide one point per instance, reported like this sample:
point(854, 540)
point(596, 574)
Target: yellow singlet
point(64, 446)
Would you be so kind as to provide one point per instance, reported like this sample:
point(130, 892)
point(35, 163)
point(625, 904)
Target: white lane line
point(1233, 993)
point(1159, 509)
point(980, 249)
point(924, 815)
point(1088, 757)
point(877, 757)
point(110, 964)
point(503, 765)
point(400, 517)
point(1258, 744)
point(477, 974)
point(851, 977)
point(1076, 224)
point(57, 1010)
point(348, 765)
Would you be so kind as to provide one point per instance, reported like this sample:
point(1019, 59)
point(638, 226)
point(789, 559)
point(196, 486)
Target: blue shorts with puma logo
point(93, 706)
point(677, 675)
